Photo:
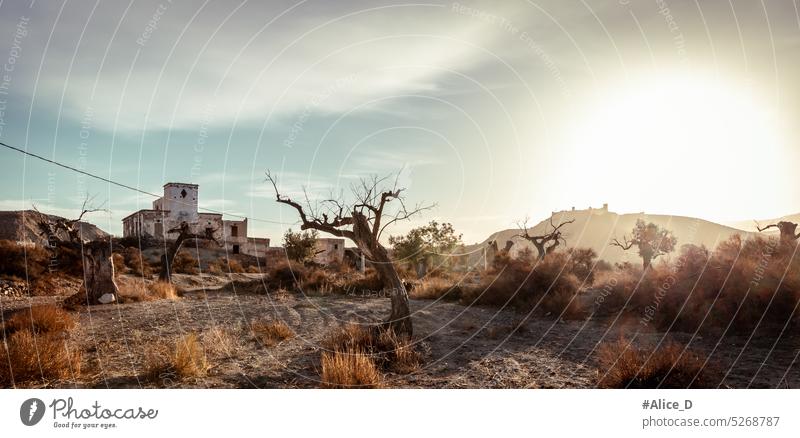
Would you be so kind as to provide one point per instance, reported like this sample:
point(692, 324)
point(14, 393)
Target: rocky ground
point(463, 347)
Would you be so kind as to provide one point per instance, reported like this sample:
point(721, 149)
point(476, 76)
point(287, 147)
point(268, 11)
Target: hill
point(596, 228)
point(20, 226)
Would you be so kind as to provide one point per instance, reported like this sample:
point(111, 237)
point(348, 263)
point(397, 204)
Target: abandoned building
point(178, 205)
point(329, 250)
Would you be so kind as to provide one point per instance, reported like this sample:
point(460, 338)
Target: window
point(236, 249)
point(183, 193)
point(234, 231)
point(335, 246)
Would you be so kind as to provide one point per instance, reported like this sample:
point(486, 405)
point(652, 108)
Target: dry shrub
point(253, 269)
point(29, 358)
point(319, 280)
point(270, 333)
point(235, 266)
point(22, 262)
point(385, 348)
point(138, 291)
point(434, 288)
point(185, 263)
point(190, 357)
point(349, 369)
point(668, 367)
point(163, 290)
point(136, 262)
point(740, 286)
point(186, 359)
point(215, 268)
point(286, 275)
point(546, 286)
point(40, 320)
point(119, 264)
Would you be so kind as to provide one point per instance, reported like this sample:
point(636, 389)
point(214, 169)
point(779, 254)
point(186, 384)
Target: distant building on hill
point(596, 211)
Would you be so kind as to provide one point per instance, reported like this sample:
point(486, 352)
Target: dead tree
point(185, 234)
point(787, 229)
point(651, 240)
point(363, 220)
point(548, 242)
point(98, 285)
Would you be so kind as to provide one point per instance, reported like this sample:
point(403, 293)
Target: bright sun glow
point(686, 144)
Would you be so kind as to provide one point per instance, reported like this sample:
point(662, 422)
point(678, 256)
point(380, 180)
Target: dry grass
point(349, 369)
point(270, 333)
point(28, 358)
point(137, 290)
point(40, 320)
point(221, 341)
point(669, 367)
point(354, 355)
point(187, 359)
point(163, 290)
point(434, 288)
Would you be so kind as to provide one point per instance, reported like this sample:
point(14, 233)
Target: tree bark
point(99, 282)
point(400, 317)
point(98, 285)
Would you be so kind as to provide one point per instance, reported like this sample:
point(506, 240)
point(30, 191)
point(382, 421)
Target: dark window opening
point(183, 193)
point(236, 249)
point(234, 231)
point(335, 246)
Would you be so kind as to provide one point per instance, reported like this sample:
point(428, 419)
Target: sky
point(494, 111)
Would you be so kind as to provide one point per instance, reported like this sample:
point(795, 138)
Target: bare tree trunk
point(169, 257)
point(166, 264)
point(540, 249)
point(98, 274)
point(400, 317)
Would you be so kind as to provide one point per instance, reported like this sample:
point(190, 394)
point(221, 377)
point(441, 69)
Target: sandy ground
point(463, 347)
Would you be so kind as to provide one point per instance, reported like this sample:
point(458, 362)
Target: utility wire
point(125, 186)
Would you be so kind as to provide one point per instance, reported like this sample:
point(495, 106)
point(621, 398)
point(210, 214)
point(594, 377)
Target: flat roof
point(180, 184)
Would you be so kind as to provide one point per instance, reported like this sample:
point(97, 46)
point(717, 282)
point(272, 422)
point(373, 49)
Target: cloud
point(196, 69)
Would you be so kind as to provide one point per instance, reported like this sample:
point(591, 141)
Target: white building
point(179, 204)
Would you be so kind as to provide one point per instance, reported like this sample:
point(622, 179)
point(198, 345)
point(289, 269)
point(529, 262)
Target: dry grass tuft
point(434, 288)
point(349, 369)
point(163, 290)
point(40, 320)
point(187, 359)
point(669, 367)
point(29, 358)
point(354, 354)
point(270, 333)
point(137, 290)
point(221, 341)
point(190, 357)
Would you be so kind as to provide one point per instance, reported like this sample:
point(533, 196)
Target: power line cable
point(125, 186)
